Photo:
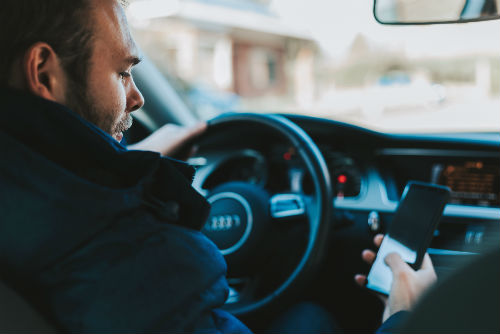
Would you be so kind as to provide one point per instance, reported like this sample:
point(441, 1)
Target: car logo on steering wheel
point(223, 223)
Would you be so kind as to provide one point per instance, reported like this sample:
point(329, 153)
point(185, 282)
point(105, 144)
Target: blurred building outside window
point(325, 58)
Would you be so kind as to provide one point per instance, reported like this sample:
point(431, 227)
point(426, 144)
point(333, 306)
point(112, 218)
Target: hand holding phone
point(411, 231)
point(408, 285)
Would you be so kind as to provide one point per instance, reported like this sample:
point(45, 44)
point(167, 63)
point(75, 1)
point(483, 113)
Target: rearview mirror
point(435, 11)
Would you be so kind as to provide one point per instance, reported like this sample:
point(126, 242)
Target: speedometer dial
point(346, 175)
point(247, 167)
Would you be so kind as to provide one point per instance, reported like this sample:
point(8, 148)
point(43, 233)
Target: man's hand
point(408, 285)
point(171, 140)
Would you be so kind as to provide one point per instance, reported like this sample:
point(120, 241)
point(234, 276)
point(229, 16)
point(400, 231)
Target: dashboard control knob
point(374, 221)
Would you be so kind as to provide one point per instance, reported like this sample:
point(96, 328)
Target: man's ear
point(44, 74)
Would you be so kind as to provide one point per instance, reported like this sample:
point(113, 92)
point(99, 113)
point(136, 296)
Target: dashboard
point(473, 177)
point(369, 171)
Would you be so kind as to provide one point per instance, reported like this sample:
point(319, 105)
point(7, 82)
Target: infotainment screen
point(471, 182)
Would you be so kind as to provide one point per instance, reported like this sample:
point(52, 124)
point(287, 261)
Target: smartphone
point(411, 231)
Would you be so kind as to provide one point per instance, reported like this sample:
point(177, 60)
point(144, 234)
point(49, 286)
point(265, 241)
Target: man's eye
point(124, 75)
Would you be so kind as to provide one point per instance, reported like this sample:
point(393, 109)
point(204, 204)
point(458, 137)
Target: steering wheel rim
point(319, 223)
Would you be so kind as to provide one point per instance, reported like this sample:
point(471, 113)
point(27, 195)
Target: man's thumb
point(395, 262)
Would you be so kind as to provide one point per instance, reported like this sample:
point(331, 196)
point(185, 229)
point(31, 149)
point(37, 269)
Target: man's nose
point(135, 100)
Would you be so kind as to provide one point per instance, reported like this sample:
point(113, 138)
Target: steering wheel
point(242, 213)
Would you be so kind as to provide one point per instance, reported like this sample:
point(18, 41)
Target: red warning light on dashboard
point(342, 178)
point(288, 155)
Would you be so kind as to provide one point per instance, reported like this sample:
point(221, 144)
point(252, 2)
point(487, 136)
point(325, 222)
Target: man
point(97, 237)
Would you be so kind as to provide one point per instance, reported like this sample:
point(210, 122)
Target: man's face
point(111, 94)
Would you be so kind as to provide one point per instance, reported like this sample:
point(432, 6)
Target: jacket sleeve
point(220, 322)
point(393, 324)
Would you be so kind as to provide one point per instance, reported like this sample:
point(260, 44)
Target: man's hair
point(124, 3)
point(65, 25)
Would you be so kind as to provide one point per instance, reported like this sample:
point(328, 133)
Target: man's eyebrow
point(134, 60)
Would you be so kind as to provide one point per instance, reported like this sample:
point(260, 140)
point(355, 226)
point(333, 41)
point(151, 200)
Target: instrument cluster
point(280, 169)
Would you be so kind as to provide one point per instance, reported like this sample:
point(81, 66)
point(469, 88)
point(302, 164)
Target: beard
point(84, 104)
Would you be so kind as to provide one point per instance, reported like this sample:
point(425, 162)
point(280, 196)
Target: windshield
point(324, 58)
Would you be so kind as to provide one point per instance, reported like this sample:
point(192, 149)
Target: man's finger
point(189, 133)
point(360, 280)
point(396, 263)
point(368, 256)
point(377, 240)
point(180, 138)
point(196, 130)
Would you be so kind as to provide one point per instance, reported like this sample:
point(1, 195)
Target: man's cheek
point(120, 95)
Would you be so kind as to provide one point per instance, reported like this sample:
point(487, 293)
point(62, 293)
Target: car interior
point(317, 187)
point(349, 179)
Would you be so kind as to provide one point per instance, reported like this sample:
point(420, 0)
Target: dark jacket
point(98, 237)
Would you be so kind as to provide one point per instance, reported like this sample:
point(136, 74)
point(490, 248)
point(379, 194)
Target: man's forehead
point(112, 29)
